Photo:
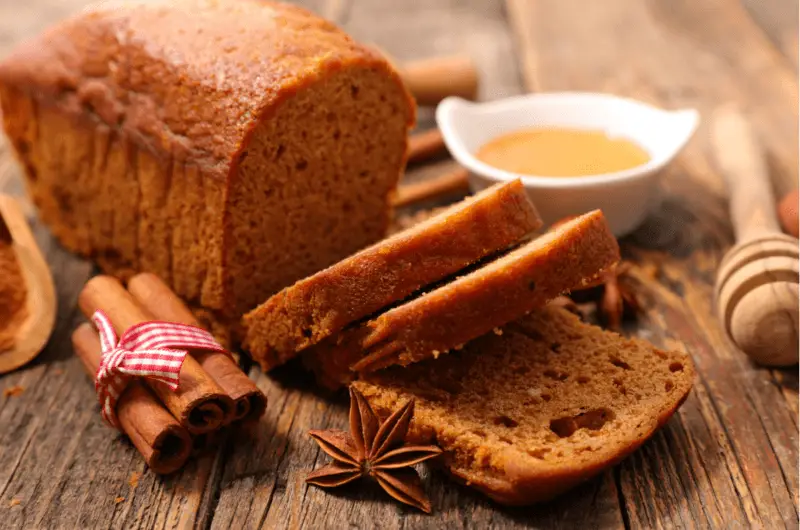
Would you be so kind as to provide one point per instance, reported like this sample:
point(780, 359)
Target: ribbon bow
point(145, 350)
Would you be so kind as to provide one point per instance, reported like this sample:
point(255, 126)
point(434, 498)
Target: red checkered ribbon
point(146, 350)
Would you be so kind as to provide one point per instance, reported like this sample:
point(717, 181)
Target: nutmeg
point(787, 213)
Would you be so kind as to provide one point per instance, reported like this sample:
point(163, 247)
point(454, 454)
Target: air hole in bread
point(279, 152)
point(619, 363)
point(547, 397)
point(555, 347)
point(676, 367)
point(337, 135)
point(661, 354)
point(669, 385)
point(538, 453)
point(301, 165)
point(479, 432)
point(558, 376)
point(532, 286)
point(307, 332)
point(592, 420)
point(506, 440)
point(582, 379)
point(354, 91)
point(505, 421)
point(620, 386)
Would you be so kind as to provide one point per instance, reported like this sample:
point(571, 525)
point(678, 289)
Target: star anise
point(375, 450)
point(617, 295)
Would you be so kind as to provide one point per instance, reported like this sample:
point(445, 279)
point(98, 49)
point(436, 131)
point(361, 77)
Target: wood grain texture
point(725, 460)
point(728, 459)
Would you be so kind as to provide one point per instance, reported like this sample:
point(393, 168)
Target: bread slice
point(544, 404)
point(323, 304)
point(448, 317)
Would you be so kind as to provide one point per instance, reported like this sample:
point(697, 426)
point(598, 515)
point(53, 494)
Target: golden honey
point(556, 152)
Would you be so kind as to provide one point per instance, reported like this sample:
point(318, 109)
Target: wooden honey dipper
point(757, 281)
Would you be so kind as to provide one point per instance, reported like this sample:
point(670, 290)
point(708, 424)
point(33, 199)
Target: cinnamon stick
point(431, 80)
point(156, 297)
point(454, 182)
point(199, 404)
point(425, 145)
point(160, 439)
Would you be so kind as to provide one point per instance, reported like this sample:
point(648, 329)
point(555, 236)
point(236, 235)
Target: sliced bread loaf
point(457, 312)
point(323, 304)
point(531, 411)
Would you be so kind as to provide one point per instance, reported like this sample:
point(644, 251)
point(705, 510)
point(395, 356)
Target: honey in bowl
point(555, 152)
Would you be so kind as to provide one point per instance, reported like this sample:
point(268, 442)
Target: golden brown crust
point(525, 415)
point(142, 125)
point(472, 305)
point(319, 306)
point(190, 78)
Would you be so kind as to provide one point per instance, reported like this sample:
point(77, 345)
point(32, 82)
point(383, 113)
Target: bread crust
point(153, 105)
point(487, 298)
point(320, 306)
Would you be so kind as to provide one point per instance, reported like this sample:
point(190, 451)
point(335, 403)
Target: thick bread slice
point(529, 413)
point(448, 317)
point(323, 304)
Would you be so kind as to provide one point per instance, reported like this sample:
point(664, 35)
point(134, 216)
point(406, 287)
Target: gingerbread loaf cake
point(448, 317)
point(529, 413)
point(230, 146)
point(321, 305)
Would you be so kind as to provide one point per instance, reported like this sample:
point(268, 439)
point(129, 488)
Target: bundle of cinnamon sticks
point(166, 426)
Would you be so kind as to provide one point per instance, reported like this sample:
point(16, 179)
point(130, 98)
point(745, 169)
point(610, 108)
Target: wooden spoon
point(33, 333)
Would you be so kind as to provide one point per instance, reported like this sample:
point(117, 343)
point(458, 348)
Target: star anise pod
point(617, 295)
point(376, 450)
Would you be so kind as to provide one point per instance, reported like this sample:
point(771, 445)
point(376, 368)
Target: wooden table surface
point(728, 459)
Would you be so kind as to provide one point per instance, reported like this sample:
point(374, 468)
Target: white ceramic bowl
point(625, 197)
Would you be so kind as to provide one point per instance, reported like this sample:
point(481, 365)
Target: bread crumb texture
point(532, 412)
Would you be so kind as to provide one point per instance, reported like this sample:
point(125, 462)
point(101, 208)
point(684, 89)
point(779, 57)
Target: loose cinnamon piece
point(156, 297)
point(454, 182)
point(425, 145)
point(199, 404)
point(160, 439)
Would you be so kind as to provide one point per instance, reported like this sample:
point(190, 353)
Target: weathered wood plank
point(778, 19)
point(730, 454)
point(728, 457)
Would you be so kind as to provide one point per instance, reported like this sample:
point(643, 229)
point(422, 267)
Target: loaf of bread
point(229, 146)
point(321, 305)
point(446, 318)
point(528, 413)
